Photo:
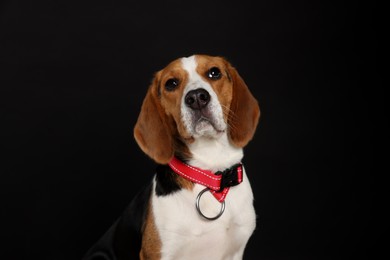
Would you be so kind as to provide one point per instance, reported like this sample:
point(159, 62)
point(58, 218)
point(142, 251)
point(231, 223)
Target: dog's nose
point(197, 98)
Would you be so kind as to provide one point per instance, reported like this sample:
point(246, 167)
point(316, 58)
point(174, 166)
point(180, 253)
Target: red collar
point(218, 183)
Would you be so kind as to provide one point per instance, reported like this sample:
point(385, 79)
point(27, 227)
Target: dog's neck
point(214, 154)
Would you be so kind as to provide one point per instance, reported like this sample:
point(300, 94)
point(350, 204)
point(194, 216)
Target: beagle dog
point(196, 118)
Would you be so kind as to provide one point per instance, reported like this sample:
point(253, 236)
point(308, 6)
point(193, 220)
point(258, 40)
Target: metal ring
point(200, 212)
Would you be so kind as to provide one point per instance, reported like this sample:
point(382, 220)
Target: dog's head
point(195, 97)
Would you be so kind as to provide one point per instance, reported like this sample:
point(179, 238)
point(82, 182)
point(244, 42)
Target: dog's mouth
point(206, 124)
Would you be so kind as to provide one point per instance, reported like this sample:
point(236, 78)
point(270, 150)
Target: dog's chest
point(184, 234)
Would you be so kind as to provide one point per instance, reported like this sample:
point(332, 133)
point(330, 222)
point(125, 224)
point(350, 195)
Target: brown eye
point(171, 84)
point(214, 73)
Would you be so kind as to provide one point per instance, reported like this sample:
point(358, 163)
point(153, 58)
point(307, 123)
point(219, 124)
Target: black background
point(74, 75)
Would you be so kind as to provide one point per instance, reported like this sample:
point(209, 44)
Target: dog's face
point(194, 97)
point(197, 96)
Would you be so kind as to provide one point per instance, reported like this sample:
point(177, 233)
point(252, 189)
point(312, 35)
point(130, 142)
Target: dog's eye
point(171, 84)
point(214, 73)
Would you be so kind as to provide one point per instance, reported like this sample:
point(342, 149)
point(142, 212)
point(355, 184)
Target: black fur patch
point(165, 181)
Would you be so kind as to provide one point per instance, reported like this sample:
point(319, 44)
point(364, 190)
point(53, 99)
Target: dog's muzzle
point(203, 116)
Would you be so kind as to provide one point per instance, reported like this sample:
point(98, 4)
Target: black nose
point(197, 98)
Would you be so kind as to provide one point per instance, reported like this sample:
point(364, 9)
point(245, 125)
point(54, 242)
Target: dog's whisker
point(231, 116)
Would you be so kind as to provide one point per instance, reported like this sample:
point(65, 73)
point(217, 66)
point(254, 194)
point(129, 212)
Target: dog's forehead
point(189, 64)
point(194, 64)
point(200, 63)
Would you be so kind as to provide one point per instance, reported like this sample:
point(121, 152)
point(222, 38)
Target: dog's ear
point(153, 130)
point(244, 111)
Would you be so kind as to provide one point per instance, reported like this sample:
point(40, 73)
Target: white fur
point(195, 81)
point(215, 154)
point(186, 235)
point(183, 232)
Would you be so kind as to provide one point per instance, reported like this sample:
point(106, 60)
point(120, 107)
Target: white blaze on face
point(210, 126)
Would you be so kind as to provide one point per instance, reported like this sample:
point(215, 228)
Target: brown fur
point(244, 111)
point(151, 243)
point(153, 130)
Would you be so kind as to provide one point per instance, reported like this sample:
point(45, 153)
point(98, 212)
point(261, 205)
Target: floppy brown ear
point(244, 111)
point(153, 131)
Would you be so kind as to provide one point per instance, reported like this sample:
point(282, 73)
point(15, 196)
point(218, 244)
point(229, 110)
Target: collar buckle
point(230, 177)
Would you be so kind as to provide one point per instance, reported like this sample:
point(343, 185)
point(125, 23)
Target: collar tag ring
point(201, 213)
